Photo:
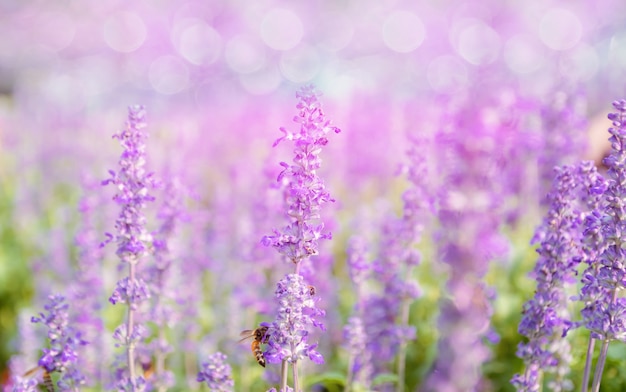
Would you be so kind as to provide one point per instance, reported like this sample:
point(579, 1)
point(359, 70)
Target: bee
point(148, 369)
point(260, 336)
point(47, 379)
point(312, 290)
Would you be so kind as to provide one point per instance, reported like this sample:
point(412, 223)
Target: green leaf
point(327, 378)
point(385, 378)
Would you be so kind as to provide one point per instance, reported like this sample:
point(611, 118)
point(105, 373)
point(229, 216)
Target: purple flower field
point(325, 196)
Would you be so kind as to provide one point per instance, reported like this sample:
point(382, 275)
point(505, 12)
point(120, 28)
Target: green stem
point(597, 376)
point(130, 325)
point(283, 375)
point(296, 383)
point(586, 373)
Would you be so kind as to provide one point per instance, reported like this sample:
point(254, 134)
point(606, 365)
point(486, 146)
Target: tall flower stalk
point(162, 313)
point(132, 238)
point(64, 340)
point(471, 149)
point(546, 318)
point(604, 310)
point(305, 194)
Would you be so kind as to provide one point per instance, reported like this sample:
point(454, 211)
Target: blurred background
point(218, 79)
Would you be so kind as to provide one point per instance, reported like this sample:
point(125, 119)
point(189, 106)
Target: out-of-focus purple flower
point(216, 372)
point(61, 355)
point(546, 318)
point(474, 189)
point(360, 365)
point(565, 133)
point(297, 313)
point(358, 266)
point(24, 385)
point(87, 290)
point(163, 312)
point(305, 192)
point(125, 384)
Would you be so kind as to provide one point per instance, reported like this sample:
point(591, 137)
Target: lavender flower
point(162, 313)
point(360, 365)
point(87, 289)
point(216, 372)
point(471, 209)
point(546, 318)
point(25, 385)
point(296, 314)
point(132, 182)
point(606, 275)
point(564, 132)
point(132, 237)
point(305, 192)
point(61, 356)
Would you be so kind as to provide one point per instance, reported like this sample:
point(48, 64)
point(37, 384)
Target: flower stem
point(590, 348)
point(404, 321)
point(350, 376)
point(130, 325)
point(296, 384)
point(283, 375)
point(597, 377)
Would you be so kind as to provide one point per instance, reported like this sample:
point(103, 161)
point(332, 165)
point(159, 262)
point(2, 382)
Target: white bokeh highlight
point(403, 31)
point(281, 29)
point(478, 43)
point(560, 29)
point(523, 54)
point(199, 43)
point(244, 54)
point(124, 31)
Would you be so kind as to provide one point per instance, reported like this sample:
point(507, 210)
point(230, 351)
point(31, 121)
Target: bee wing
point(31, 372)
point(246, 334)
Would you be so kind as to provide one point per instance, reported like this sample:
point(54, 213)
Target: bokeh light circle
point(124, 31)
point(56, 30)
point(168, 75)
point(301, 64)
point(281, 29)
point(403, 31)
point(478, 43)
point(244, 54)
point(560, 29)
point(523, 54)
point(200, 44)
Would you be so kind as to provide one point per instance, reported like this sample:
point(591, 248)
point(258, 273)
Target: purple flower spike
point(305, 192)
point(216, 372)
point(604, 237)
point(546, 319)
point(296, 314)
point(133, 239)
point(132, 183)
point(132, 293)
point(61, 356)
